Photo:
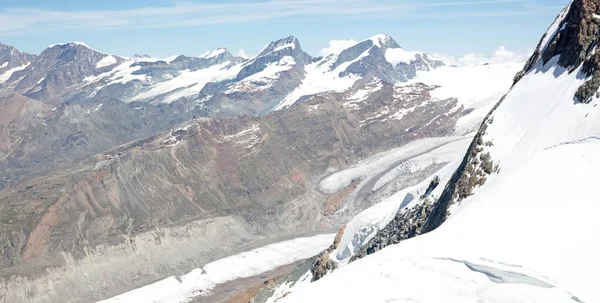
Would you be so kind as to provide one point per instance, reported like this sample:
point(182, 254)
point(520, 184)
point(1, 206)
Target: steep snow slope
point(188, 82)
point(527, 233)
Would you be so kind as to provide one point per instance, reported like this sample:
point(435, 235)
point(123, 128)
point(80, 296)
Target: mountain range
point(118, 172)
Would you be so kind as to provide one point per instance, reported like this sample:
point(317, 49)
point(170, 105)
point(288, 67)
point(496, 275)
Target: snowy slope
point(320, 77)
point(6, 75)
point(264, 79)
point(188, 83)
point(527, 234)
point(185, 83)
point(476, 86)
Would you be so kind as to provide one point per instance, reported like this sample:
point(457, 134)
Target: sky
point(162, 28)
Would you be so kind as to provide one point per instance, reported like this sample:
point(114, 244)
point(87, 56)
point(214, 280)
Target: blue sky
point(163, 27)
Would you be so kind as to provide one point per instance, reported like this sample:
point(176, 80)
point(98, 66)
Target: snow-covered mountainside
point(514, 221)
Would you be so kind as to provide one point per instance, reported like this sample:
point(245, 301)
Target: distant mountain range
point(225, 84)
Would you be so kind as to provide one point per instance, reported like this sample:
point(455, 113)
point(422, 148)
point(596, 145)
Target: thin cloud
point(185, 14)
point(500, 55)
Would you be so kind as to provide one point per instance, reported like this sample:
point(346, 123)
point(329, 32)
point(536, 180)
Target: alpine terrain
point(193, 178)
point(512, 221)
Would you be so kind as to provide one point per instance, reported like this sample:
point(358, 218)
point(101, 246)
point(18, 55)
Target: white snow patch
point(106, 61)
point(248, 137)
point(122, 73)
point(396, 56)
point(478, 87)
point(289, 45)
point(379, 40)
point(263, 79)
point(7, 74)
point(189, 82)
point(171, 58)
point(320, 78)
point(313, 107)
point(5, 64)
point(362, 95)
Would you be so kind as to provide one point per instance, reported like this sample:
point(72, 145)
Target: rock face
point(323, 264)
point(58, 71)
point(574, 40)
point(11, 60)
point(261, 82)
point(41, 138)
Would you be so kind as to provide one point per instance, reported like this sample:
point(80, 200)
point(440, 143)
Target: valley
point(126, 179)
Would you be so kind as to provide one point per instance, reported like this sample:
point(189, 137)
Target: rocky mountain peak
point(11, 57)
point(221, 51)
point(68, 44)
point(274, 52)
point(380, 57)
point(573, 38)
point(290, 42)
point(67, 53)
point(384, 41)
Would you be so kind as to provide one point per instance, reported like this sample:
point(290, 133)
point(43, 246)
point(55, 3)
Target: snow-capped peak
point(68, 43)
point(214, 53)
point(383, 40)
point(288, 42)
point(380, 39)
